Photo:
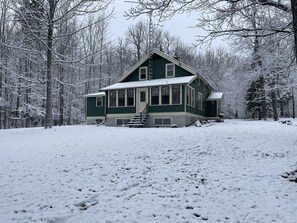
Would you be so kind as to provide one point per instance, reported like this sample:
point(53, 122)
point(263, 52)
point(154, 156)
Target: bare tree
point(55, 13)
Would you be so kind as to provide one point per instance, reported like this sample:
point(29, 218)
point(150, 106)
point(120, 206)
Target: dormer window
point(170, 70)
point(143, 73)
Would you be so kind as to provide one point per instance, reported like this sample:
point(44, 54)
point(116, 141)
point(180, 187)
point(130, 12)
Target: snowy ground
point(222, 172)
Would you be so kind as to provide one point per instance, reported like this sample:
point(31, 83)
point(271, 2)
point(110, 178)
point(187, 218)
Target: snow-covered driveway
point(226, 172)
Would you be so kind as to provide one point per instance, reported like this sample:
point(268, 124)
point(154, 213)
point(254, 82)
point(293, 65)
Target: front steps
point(138, 121)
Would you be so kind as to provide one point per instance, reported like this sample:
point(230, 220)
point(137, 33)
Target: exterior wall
point(159, 70)
point(92, 110)
point(204, 90)
point(95, 119)
point(111, 119)
point(211, 108)
point(178, 119)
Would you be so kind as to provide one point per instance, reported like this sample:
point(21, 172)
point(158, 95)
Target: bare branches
point(223, 17)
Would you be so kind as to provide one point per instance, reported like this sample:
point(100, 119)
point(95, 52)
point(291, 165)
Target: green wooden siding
point(166, 108)
point(92, 110)
point(203, 89)
point(158, 71)
point(121, 110)
point(211, 108)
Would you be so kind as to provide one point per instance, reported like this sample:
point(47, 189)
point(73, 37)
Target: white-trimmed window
point(176, 95)
point(190, 96)
point(199, 101)
point(122, 121)
point(112, 98)
point(121, 98)
point(170, 70)
point(162, 121)
point(99, 102)
point(130, 97)
point(166, 95)
point(155, 96)
point(165, 98)
point(143, 73)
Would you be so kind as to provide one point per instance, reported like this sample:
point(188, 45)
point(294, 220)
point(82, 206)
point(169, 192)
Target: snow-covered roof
point(99, 94)
point(172, 60)
point(151, 83)
point(214, 96)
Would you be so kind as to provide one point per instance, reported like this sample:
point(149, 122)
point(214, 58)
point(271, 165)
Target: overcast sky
point(180, 25)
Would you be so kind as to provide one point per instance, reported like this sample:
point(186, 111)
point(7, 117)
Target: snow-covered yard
point(223, 172)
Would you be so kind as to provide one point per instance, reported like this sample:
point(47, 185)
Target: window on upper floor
point(143, 73)
point(170, 70)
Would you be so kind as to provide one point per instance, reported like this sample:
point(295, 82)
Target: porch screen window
point(199, 101)
point(155, 96)
point(112, 99)
point(170, 70)
point(175, 94)
point(165, 95)
point(190, 96)
point(121, 98)
point(193, 97)
point(130, 97)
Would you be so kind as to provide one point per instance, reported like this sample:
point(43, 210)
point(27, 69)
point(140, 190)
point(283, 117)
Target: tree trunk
point(274, 105)
point(2, 49)
point(263, 98)
point(61, 96)
point(282, 108)
point(49, 81)
point(294, 14)
point(293, 102)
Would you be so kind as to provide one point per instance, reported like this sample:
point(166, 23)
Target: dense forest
point(52, 52)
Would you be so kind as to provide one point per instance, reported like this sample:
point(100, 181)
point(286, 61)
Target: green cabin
point(157, 91)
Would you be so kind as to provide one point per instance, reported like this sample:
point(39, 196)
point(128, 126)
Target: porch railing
point(144, 112)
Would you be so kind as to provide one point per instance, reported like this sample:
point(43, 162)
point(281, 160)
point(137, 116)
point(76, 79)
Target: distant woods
point(52, 52)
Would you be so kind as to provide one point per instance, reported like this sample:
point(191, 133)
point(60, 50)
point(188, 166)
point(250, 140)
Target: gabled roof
point(214, 96)
point(170, 59)
point(99, 94)
point(151, 83)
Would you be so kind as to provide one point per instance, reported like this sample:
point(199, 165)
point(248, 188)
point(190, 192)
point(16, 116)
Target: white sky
point(180, 25)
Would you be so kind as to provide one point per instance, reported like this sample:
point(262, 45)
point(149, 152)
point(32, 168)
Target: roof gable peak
point(173, 60)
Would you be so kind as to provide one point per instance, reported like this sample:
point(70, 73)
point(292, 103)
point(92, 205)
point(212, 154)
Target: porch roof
point(214, 96)
point(99, 94)
point(151, 83)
